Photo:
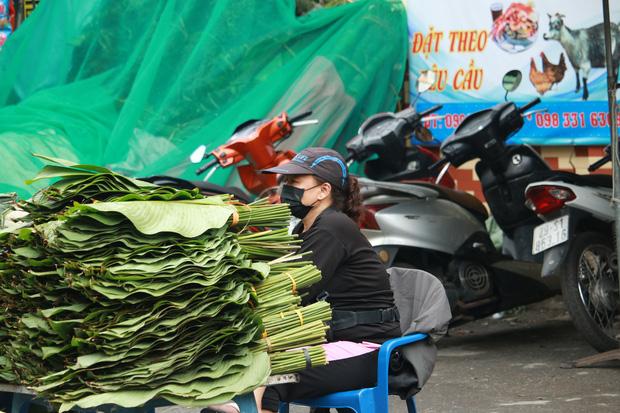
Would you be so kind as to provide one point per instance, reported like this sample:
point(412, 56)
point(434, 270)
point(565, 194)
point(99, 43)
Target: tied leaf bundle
point(297, 317)
point(295, 360)
point(120, 291)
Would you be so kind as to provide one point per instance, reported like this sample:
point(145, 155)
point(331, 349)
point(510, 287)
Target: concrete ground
point(515, 364)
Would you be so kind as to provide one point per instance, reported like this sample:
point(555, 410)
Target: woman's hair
point(349, 199)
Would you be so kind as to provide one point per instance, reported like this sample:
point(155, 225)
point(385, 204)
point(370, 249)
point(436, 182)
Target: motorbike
point(252, 147)
point(441, 230)
point(382, 145)
point(576, 243)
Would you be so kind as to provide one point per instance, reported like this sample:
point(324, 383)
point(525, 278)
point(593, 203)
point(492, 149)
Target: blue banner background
point(569, 120)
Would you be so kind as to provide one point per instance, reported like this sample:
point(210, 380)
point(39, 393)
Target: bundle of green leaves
point(120, 291)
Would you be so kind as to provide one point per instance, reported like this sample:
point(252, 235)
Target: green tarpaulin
point(137, 85)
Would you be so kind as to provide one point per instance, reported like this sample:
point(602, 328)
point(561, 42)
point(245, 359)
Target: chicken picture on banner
point(550, 74)
point(556, 45)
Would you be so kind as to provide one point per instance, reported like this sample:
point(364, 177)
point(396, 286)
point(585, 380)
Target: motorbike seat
point(462, 198)
point(598, 180)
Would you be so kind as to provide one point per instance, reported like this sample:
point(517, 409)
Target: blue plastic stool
point(370, 400)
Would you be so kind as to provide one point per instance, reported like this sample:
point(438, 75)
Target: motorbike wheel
point(590, 290)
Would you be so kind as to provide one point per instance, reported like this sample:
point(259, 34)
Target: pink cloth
point(339, 350)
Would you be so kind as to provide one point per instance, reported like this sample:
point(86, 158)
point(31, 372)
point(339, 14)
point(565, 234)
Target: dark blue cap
point(324, 163)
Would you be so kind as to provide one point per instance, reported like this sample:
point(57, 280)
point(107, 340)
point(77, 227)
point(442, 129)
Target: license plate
point(550, 234)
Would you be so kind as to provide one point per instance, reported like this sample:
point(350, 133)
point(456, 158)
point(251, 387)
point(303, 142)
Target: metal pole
point(612, 83)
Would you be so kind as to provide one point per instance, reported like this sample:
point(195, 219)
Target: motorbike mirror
point(423, 134)
point(425, 81)
point(199, 154)
point(511, 81)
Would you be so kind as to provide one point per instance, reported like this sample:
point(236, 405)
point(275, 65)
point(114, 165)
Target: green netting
point(136, 85)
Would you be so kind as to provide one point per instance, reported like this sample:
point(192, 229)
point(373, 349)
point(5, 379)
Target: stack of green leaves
point(121, 291)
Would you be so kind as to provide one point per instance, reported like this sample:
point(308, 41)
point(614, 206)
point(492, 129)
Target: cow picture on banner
point(555, 46)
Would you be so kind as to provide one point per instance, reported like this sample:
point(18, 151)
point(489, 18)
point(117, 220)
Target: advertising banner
point(554, 48)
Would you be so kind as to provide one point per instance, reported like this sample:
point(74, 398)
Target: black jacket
point(352, 275)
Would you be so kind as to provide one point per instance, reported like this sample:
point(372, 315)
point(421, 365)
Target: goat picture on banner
point(555, 49)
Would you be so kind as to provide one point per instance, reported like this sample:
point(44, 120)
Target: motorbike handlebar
point(431, 110)
point(596, 165)
point(300, 116)
point(529, 105)
point(206, 166)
